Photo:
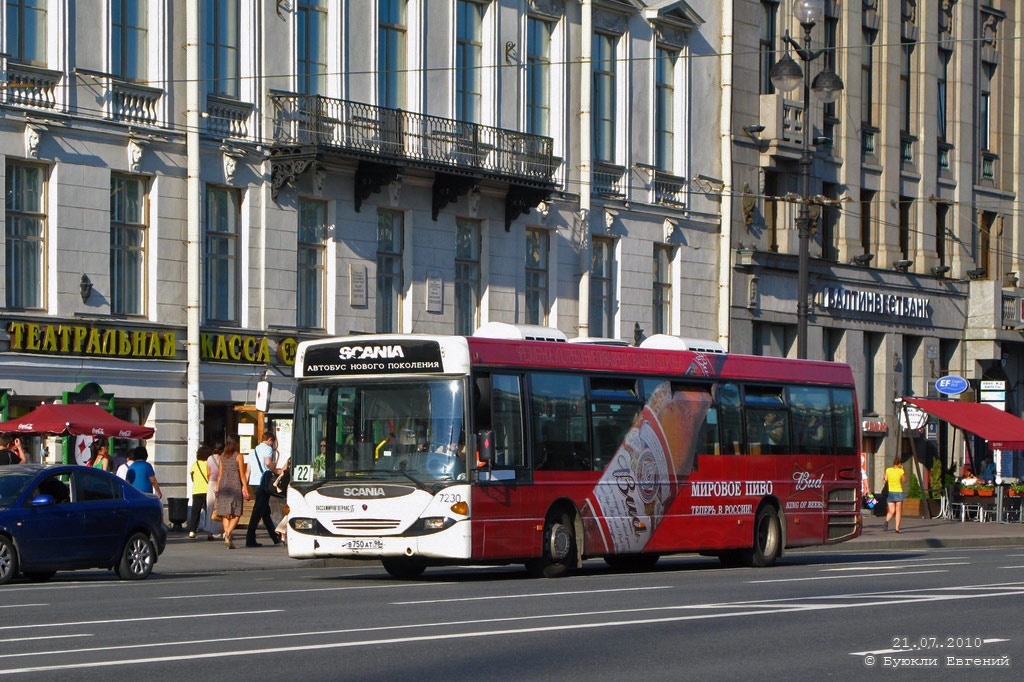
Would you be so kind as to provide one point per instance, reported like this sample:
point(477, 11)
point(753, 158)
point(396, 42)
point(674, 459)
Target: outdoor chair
point(958, 508)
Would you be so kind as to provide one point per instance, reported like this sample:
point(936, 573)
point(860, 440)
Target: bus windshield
point(408, 430)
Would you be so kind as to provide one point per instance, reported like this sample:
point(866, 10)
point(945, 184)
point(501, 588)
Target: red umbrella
point(75, 420)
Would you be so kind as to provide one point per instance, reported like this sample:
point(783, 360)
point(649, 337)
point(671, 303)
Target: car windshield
point(409, 430)
point(11, 485)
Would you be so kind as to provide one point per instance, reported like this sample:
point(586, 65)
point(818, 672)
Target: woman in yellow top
point(895, 478)
point(200, 475)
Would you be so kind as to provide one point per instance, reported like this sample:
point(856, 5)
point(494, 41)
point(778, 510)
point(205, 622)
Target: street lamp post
point(786, 75)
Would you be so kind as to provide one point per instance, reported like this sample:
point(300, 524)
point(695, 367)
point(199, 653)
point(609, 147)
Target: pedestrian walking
point(100, 459)
point(213, 526)
point(122, 470)
point(200, 475)
point(141, 473)
point(10, 450)
point(231, 489)
point(895, 477)
point(258, 462)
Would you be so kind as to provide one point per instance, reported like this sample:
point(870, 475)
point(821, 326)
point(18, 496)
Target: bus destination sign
point(373, 357)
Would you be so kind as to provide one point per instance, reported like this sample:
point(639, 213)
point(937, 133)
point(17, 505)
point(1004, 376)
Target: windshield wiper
point(419, 484)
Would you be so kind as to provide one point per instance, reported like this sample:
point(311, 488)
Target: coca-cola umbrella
point(74, 420)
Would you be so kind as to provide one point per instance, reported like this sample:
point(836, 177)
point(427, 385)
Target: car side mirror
point(41, 500)
point(485, 445)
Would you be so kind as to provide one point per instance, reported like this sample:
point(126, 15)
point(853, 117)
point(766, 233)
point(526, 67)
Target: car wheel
point(138, 558)
point(8, 560)
point(39, 576)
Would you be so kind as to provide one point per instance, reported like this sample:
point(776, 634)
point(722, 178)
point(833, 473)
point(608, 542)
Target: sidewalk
point(183, 555)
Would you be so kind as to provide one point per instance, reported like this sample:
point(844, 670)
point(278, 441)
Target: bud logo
point(804, 480)
point(370, 352)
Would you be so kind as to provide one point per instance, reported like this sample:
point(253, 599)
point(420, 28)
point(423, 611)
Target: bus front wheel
point(404, 568)
point(767, 539)
point(559, 550)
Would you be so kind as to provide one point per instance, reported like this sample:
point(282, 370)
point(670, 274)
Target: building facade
point(918, 241)
point(194, 187)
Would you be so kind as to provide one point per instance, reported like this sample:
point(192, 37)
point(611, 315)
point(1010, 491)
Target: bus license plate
point(364, 544)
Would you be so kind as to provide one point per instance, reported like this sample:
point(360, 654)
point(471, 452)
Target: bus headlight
point(433, 522)
point(303, 524)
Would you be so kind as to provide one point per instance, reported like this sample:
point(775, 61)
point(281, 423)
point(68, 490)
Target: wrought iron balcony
point(310, 128)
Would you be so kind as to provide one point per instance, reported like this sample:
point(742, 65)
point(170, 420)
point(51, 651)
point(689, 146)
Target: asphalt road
point(836, 614)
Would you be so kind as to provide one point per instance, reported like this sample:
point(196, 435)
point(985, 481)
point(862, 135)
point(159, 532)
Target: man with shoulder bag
point(260, 474)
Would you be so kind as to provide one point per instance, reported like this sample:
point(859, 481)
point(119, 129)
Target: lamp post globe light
point(786, 75)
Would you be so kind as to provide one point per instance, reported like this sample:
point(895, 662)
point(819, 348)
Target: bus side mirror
point(485, 446)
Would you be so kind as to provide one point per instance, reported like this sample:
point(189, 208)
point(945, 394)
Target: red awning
point(1002, 430)
point(75, 420)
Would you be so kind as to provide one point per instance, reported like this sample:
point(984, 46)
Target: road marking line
point(137, 620)
point(262, 651)
point(872, 568)
point(79, 584)
point(1011, 567)
point(28, 639)
point(314, 589)
point(535, 594)
point(888, 561)
point(903, 651)
point(18, 606)
point(837, 577)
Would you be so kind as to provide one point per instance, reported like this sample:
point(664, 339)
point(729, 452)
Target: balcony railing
point(607, 180)
point(134, 103)
point(669, 189)
point(227, 117)
point(374, 132)
point(1013, 316)
point(32, 86)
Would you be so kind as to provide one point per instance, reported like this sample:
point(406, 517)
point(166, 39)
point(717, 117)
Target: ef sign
point(951, 385)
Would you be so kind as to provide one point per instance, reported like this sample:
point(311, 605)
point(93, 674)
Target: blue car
point(62, 518)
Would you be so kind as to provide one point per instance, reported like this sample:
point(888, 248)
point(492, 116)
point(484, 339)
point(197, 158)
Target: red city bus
point(429, 450)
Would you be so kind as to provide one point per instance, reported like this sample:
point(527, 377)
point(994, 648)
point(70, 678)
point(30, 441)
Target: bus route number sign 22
point(303, 473)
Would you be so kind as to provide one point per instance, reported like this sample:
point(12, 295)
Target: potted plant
point(986, 490)
point(1017, 490)
point(912, 505)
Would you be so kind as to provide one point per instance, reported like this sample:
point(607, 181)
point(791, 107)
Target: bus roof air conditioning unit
point(599, 341)
point(667, 342)
point(527, 332)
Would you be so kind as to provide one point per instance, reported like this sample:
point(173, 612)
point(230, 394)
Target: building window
point(833, 343)
point(984, 119)
point(867, 79)
point(128, 53)
point(906, 88)
point(312, 47)
point(774, 340)
point(662, 293)
point(867, 197)
point(769, 30)
point(771, 208)
point(603, 108)
point(390, 284)
point(26, 31)
point(872, 350)
point(602, 269)
point(906, 205)
point(309, 285)
point(664, 109)
point(127, 245)
point(942, 94)
point(941, 213)
point(467, 276)
point(24, 236)
point(222, 41)
point(468, 60)
point(391, 30)
point(988, 223)
point(222, 290)
point(538, 76)
point(911, 348)
point(537, 249)
point(830, 110)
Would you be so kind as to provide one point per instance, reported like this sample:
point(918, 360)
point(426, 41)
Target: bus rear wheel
point(632, 562)
point(767, 539)
point(404, 568)
point(559, 550)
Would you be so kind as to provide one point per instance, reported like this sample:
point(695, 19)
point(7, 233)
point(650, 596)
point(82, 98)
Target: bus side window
point(812, 427)
point(730, 417)
point(507, 420)
point(610, 423)
point(558, 404)
point(844, 421)
point(767, 420)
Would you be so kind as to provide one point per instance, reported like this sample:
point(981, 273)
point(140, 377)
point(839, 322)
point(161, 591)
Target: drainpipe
point(193, 253)
point(725, 138)
point(586, 164)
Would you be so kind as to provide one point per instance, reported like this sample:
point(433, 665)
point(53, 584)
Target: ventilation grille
point(365, 524)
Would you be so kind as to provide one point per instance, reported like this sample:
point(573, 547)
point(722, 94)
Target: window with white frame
point(602, 270)
point(391, 38)
point(311, 69)
point(309, 284)
point(537, 249)
point(662, 290)
point(538, 76)
point(222, 272)
point(222, 47)
point(604, 100)
point(467, 276)
point(26, 31)
point(25, 235)
point(664, 108)
point(128, 224)
point(469, 25)
point(390, 235)
point(128, 39)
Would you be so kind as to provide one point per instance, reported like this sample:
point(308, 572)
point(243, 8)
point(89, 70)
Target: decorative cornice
point(550, 8)
point(606, 20)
